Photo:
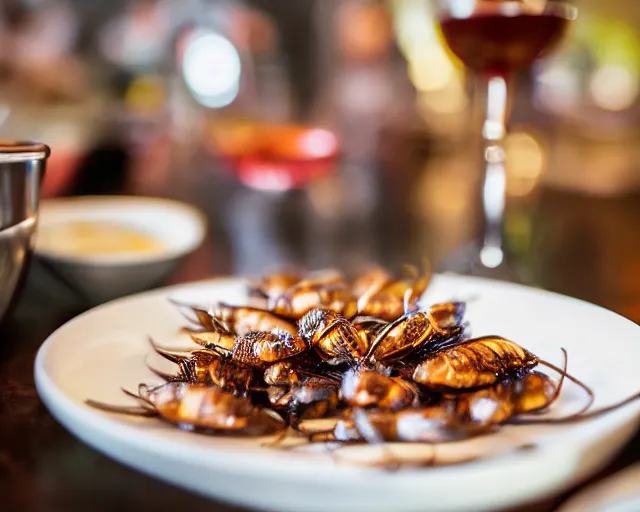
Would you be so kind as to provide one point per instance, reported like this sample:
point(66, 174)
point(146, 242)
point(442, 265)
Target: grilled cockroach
point(241, 320)
point(417, 330)
point(481, 362)
point(197, 407)
point(259, 349)
point(334, 337)
point(328, 290)
point(366, 388)
point(389, 299)
point(206, 367)
point(272, 286)
point(368, 354)
point(314, 398)
point(474, 363)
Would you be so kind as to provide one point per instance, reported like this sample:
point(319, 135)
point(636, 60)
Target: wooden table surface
point(584, 247)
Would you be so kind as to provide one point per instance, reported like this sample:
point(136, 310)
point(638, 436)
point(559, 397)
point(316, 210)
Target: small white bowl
point(97, 277)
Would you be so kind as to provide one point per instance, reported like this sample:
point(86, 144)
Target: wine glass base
point(487, 262)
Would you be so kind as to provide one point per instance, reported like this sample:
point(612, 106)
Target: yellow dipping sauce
point(96, 239)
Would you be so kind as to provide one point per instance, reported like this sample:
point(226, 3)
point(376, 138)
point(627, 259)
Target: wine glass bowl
point(494, 39)
point(274, 156)
point(500, 37)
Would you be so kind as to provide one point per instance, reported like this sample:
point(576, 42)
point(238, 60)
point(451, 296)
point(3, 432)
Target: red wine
point(498, 44)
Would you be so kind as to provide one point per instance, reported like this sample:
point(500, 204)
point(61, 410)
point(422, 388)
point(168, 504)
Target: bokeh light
point(526, 161)
point(211, 68)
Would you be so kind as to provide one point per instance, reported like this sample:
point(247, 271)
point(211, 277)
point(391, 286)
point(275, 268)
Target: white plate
point(617, 493)
point(96, 353)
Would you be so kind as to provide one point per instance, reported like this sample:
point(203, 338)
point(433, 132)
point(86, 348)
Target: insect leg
point(164, 376)
point(170, 355)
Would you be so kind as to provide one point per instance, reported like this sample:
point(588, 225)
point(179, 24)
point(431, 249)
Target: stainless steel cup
point(22, 167)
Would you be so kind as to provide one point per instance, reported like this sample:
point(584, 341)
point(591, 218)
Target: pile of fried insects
point(364, 353)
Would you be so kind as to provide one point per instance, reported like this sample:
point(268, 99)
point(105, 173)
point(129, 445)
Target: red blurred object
point(275, 157)
point(62, 167)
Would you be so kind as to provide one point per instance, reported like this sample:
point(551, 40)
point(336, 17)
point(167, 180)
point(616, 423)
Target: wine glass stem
point(495, 180)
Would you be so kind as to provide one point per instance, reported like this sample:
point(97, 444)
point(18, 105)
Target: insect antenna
point(580, 416)
point(573, 379)
point(556, 395)
point(132, 411)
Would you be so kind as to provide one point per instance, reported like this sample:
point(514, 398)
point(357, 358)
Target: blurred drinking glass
point(494, 39)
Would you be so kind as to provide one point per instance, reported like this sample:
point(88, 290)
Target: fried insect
point(272, 286)
point(387, 299)
point(327, 290)
point(483, 362)
point(258, 349)
point(241, 320)
point(206, 367)
point(197, 407)
point(439, 325)
point(366, 357)
point(493, 406)
point(474, 363)
point(314, 398)
point(366, 388)
point(332, 335)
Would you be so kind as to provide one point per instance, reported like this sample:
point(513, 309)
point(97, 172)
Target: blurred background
point(167, 97)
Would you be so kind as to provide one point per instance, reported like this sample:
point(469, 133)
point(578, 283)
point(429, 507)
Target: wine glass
point(494, 39)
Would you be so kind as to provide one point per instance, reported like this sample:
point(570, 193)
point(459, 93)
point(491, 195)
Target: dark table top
point(584, 247)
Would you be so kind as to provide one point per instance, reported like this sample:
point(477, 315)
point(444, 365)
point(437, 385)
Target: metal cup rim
point(22, 151)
